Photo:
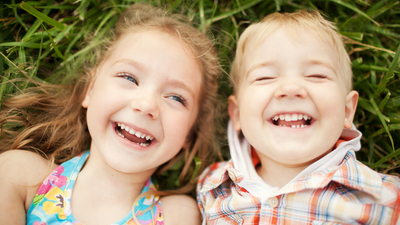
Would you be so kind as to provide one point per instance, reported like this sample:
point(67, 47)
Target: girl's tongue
point(132, 137)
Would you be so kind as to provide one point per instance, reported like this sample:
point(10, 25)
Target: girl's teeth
point(288, 117)
point(136, 133)
point(294, 117)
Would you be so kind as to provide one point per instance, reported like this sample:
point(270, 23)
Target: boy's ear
point(86, 100)
point(350, 108)
point(233, 110)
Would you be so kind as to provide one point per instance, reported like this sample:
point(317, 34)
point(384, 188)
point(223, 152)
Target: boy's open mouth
point(133, 135)
point(292, 120)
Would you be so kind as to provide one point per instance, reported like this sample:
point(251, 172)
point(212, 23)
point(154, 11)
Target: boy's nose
point(291, 90)
point(147, 106)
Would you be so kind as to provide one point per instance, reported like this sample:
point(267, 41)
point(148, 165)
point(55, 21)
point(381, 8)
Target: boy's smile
point(291, 104)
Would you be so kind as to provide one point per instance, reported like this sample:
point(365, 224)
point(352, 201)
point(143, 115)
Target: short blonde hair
point(295, 23)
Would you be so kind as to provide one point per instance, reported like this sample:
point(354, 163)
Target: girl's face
point(143, 102)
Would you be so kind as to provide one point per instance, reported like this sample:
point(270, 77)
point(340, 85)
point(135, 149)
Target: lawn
point(48, 39)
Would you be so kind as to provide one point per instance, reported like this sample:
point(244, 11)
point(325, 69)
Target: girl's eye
point(179, 99)
point(129, 77)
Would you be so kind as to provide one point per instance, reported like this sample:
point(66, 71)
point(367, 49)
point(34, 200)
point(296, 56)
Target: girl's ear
point(86, 100)
point(233, 110)
point(350, 108)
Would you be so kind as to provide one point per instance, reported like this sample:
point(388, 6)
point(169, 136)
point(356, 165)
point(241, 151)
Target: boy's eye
point(319, 76)
point(179, 99)
point(128, 77)
point(265, 78)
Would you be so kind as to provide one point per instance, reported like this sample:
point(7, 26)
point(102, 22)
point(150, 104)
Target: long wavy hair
point(49, 119)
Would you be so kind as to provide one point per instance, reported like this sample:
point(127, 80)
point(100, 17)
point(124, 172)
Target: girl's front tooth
point(294, 117)
point(288, 117)
point(138, 134)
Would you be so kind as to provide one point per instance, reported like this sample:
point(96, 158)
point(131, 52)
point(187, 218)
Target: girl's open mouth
point(132, 135)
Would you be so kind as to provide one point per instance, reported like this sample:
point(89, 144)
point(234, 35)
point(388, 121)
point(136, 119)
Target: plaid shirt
point(350, 193)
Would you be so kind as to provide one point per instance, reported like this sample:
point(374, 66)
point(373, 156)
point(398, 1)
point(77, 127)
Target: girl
point(143, 103)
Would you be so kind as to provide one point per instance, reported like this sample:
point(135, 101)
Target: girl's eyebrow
point(136, 64)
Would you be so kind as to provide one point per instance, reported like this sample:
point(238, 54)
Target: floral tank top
point(52, 202)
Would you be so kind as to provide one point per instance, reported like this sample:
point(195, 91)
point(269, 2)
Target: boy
point(291, 134)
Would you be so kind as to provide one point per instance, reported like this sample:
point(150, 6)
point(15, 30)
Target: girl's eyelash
point(129, 77)
point(179, 99)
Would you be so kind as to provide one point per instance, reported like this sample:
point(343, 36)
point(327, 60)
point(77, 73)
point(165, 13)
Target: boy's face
point(291, 105)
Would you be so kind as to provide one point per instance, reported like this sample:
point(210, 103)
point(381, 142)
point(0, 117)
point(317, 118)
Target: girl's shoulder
point(180, 209)
point(21, 174)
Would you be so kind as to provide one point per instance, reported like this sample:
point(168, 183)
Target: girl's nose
point(291, 90)
point(147, 106)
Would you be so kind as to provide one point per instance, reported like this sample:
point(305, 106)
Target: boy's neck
point(277, 175)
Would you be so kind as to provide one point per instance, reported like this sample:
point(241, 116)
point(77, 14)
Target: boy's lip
point(134, 134)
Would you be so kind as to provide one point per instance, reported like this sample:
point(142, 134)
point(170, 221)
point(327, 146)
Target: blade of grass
point(41, 16)
point(381, 118)
point(389, 73)
point(355, 9)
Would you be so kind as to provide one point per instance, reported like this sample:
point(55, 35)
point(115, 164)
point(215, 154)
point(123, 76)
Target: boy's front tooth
point(288, 117)
point(294, 117)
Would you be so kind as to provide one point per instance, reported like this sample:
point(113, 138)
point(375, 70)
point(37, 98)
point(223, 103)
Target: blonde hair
point(295, 23)
point(49, 118)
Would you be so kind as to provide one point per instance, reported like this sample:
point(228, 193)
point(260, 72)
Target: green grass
point(40, 37)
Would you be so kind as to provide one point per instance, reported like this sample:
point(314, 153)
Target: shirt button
point(273, 202)
point(232, 175)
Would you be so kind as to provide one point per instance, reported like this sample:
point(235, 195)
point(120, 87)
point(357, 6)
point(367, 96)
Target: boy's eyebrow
point(321, 63)
point(256, 66)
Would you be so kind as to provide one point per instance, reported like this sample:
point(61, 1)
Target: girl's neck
point(100, 190)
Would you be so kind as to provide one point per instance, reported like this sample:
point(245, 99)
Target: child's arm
point(21, 173)
point(180, 209)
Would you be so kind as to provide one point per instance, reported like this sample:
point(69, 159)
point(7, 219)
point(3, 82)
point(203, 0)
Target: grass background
point(47, 40)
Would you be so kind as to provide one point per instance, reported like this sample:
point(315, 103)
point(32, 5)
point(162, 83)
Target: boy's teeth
point(291, 117)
